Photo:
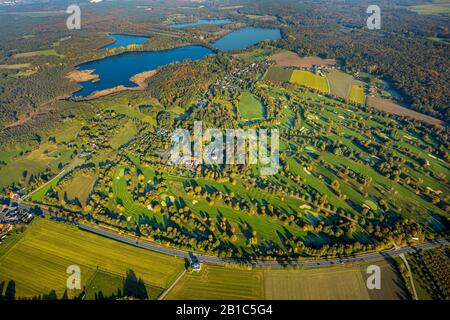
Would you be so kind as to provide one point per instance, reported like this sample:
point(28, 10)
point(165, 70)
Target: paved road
point(273, 264)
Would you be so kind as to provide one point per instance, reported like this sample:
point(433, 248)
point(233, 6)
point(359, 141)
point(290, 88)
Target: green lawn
point(250, 107)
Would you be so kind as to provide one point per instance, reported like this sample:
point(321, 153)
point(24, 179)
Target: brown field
point(291, 59)
point(391, 107)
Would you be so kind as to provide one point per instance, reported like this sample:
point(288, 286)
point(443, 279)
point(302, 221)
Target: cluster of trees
point(432, 268)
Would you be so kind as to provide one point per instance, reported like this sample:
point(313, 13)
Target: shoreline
point(139, 79)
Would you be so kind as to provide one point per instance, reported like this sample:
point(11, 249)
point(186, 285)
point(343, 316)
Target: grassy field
point(340, 83)
point(214, 282)
point(310, 80)
point(278, 74)
point(357, 94)
point(107, 284)
point(250, 107)
point(125, 134)
point(437, 7)
point(29, 54)
point(340, 282)
point(38, 261)
point(48, 155)
point(14, 66)
point(80, 188)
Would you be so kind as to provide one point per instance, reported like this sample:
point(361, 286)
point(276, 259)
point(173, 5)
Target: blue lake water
point(117, 70)
point(200, 22)
point(123, 40)
point(246, 37)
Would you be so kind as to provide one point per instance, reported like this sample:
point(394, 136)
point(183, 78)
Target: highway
point(264, 263)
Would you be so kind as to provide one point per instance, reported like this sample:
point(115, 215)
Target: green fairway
point(250, 107)
point(38, 261)
point(310, 80)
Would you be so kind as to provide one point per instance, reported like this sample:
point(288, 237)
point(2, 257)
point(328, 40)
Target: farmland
point(339, 282)
point(341, 83)
point(391, 107)
point(278, 74)
point(310, 80)
point(357, 94)
point(215, 282)
point(37, 262)
point(291, 59)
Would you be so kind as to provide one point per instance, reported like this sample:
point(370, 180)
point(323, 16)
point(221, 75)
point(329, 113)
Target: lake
point(200, 22)
point(117, 70)
point(246, 37)
point(123, 40)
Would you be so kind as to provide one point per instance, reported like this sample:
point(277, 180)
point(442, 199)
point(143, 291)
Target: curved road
point(263, 263)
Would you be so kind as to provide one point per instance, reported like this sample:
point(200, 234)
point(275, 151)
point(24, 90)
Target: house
point(196, 266)
point(5, 227)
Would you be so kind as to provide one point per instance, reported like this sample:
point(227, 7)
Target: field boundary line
point(165, 292)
